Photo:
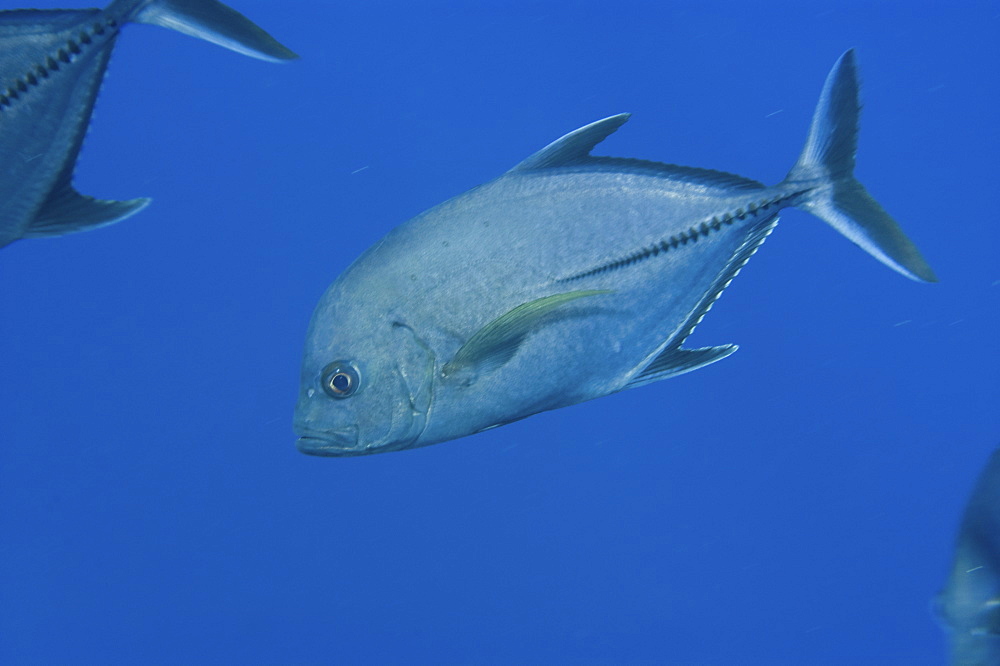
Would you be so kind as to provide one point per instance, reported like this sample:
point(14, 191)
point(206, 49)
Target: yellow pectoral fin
point(495, 343)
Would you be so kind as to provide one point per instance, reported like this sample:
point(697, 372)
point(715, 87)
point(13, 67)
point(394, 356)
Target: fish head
point(366, 383)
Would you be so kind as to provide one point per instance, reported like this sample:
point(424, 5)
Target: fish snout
point(342, 442)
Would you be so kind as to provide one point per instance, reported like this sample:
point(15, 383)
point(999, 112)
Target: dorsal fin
point(676, 172)
point(575, 147)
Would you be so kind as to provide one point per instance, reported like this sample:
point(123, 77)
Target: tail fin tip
point(215, 22)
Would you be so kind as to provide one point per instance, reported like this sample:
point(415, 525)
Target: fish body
point(969, 605)
point(52, 63)
point(568, 278)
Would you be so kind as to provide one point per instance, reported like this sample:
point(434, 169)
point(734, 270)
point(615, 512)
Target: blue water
point(793, 504)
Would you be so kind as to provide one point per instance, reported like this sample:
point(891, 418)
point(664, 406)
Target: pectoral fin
point(495, 344)
point(66, 211)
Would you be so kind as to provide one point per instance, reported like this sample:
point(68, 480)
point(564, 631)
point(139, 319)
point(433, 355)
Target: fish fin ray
point(66, 211)
point(675, 361)
point(496, 342)
point(575, 147)
point(217, 23)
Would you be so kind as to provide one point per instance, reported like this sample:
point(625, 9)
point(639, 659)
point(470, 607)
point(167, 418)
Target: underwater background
point(793, 504)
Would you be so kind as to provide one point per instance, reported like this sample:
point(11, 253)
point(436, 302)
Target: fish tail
point(825, 174)
point(214, 22)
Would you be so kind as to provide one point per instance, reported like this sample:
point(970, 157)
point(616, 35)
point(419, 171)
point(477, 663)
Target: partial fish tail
point(214, 22)
point(825, 172)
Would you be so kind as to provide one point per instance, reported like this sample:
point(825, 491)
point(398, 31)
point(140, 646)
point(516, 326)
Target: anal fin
point(673, 359)
point(676, 361)
point(66, 211)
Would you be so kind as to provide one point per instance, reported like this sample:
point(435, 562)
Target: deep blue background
point(793, 504)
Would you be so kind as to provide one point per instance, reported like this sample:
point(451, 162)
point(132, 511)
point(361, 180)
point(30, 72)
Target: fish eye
point(340, 379)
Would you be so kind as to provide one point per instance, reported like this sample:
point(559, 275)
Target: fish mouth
point(334, 443)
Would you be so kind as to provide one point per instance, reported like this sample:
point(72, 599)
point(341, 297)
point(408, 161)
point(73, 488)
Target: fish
point(568, 278)
point(969, 604)
point(52, 63)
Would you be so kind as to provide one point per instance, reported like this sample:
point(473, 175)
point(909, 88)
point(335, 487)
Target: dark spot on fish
point(52, 64)
point(63, 55)
point(85, 38)
point(73, 47)
point(98, 29)
point(22, 86)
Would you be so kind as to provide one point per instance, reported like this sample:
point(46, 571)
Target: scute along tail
point(826, 170)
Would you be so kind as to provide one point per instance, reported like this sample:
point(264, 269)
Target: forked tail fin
point(214, 22)
point(826, 171)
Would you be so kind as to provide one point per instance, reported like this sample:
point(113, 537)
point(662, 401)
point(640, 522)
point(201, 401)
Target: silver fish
point(568, 278)
point(969, 605)
point(51, 66)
